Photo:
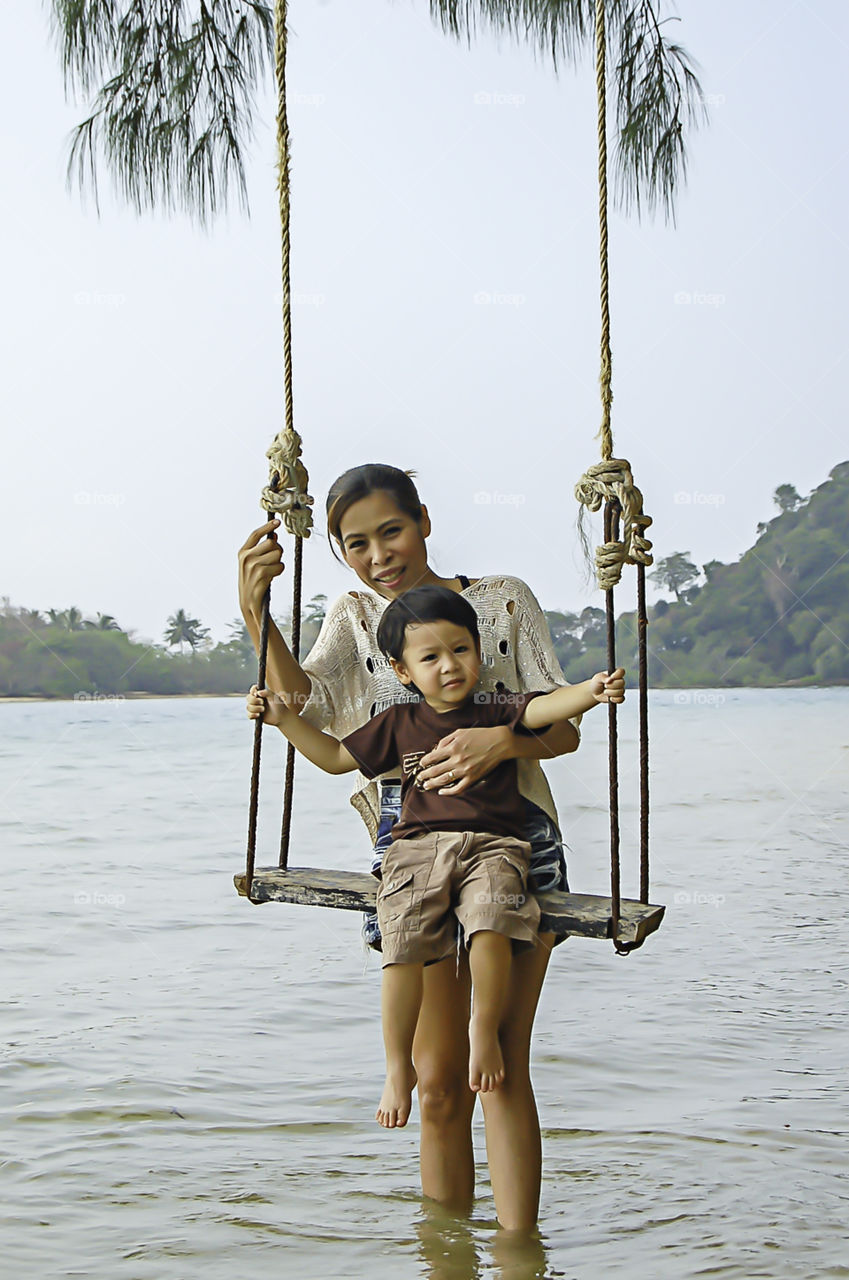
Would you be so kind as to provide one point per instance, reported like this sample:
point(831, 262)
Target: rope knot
point(611, 481)
point(286, 492)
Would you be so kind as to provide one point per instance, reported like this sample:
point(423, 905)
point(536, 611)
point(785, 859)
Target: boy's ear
point(400, 670)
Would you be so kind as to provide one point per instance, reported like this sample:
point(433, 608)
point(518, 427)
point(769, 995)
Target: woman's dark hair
point(423, 604)
point(359, 482)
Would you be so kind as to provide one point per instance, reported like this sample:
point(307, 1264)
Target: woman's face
point(384, 546)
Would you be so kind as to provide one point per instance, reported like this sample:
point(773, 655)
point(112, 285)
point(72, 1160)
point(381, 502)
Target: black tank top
point(463, 581)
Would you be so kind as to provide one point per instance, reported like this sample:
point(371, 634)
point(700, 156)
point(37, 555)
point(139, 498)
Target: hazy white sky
point(142, 371)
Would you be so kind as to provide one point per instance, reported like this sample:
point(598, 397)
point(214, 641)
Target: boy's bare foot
point(486, 1065)
point(397, 1097)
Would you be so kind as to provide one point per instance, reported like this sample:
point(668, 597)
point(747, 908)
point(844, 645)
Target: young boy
point(452, 857)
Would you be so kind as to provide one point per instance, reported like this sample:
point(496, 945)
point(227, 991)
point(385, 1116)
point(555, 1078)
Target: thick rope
point(643, 677)
point(611, 520)
point(289, 782)
point(606, 376)
point(253, 808)
point(286, 449)
point(290, 498)
point(280, 18)
point(611, 479)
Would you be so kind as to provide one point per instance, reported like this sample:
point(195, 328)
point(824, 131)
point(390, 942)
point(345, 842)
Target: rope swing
point(608, 483)
point(611, 484)
point(286, 492)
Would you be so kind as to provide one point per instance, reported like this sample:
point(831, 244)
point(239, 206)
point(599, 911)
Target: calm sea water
point(188, 1081)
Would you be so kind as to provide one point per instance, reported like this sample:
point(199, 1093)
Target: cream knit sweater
point(352, 681)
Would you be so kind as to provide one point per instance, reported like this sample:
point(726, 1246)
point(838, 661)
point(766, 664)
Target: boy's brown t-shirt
point(402, 734)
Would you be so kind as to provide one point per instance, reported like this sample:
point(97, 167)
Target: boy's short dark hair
point(423, 604)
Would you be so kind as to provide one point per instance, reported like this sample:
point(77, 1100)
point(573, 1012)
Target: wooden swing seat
point(566, 914)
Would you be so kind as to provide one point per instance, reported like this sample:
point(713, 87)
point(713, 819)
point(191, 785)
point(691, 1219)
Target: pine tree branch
point(658, 95)
point(173, 84)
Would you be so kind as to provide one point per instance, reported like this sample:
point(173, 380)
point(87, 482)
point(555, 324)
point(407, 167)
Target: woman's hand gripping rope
point(260, 561)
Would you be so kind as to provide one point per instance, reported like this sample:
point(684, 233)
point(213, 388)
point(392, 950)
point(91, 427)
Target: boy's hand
point(608, 688)
point(266, 706)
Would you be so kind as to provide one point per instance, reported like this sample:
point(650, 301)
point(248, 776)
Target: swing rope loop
point(611, 481)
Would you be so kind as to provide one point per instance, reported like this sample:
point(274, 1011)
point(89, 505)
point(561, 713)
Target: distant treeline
point(779, 616)
point(49, 658)
point(62, 654)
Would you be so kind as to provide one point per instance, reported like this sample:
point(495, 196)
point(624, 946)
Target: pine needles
point(657, 91)
point(173, 84)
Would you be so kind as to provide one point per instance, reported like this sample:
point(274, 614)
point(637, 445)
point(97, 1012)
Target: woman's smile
point(390, 578)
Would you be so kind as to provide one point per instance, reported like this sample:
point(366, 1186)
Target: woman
point(375, 517)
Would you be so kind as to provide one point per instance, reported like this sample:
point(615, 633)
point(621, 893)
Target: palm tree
point(70, 619)
point(103, 622)
point(181, 629)
point(172, 86)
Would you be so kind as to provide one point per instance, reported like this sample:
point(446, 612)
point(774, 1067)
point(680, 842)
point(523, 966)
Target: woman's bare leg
point(446, 1103)
point(513, 1144)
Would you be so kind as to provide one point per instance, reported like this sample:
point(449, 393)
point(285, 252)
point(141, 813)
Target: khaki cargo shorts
point(431, 881)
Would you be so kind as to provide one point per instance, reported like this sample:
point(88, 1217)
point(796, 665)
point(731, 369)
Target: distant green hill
point(780, 615)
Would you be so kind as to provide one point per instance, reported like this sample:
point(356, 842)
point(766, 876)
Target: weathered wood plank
point(577, 914)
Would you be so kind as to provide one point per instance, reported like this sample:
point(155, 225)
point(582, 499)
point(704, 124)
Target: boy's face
point(441, 660)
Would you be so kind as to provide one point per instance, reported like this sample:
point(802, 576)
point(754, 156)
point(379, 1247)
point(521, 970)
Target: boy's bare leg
point(400, 1000)
point(490, 959)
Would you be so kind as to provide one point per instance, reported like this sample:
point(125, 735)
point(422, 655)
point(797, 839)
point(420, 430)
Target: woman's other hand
point(463, 758)
point(260, 560)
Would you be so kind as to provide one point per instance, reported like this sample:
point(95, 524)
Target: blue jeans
point(548, 861)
